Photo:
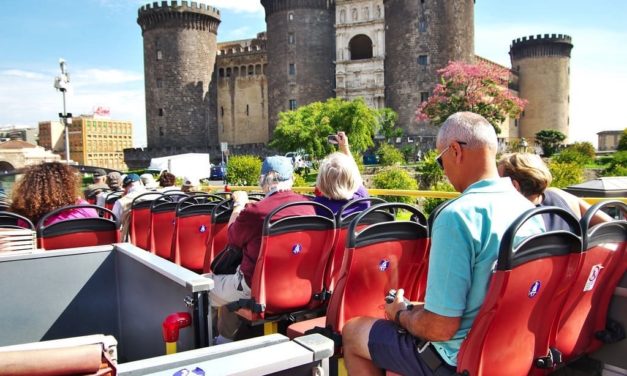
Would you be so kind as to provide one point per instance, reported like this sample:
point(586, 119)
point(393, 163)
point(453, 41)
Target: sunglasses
point(439, 157)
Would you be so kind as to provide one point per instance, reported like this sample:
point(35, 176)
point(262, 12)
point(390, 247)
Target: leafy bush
point(429, 170)
point(395, 178)
point(243, 170)
point(565, 174)
point(389, 155)
point(300, 181)
point(429, 203)
point(580, 153)
point(617, 165)
point(622, 142)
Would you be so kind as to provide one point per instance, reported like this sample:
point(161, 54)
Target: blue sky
point(102, 44)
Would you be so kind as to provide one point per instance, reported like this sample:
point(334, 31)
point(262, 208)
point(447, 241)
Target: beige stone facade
point(51, 136)
point(608, 140)
point(242, 92)
point(360, 43)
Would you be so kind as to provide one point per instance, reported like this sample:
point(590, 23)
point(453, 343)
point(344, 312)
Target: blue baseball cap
point(130, 178)
point(281, 165)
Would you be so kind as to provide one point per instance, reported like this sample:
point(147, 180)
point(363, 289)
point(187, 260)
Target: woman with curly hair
point(46, 187)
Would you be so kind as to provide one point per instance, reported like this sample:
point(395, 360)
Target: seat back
point(292, 259)
point(217, 240)
point(139, 221)
point(512, 331)
point(602, 266)
point(192, 230)
point(13, 220)
point(162, 223)
point(79, 232)
point(342, 221)
point(379, 257)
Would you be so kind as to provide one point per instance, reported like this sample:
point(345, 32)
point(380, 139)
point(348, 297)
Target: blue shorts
point(395, 351)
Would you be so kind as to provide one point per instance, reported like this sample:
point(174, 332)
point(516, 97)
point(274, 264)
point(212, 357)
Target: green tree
point(480, 88)
point(622, 143)
point(550, 141)
point(307, 127)
point(581, 153)
point(565, 174)
point(389, 155)
point(617, 165)
point(243, 170)
point(429, 170)
point(430, 203)
point(387, 120)
point(395, 178)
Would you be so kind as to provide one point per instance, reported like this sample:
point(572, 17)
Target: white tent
point(192, 165)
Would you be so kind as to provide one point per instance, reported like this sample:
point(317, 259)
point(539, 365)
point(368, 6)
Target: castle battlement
point(192, 15)
point(541, 46)
point(273, 6)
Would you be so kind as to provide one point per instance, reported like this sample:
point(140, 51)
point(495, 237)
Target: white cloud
point(238, 6)
point(22, 74)
point(106, 76)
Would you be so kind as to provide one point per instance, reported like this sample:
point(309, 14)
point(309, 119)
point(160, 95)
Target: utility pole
point(62, 83)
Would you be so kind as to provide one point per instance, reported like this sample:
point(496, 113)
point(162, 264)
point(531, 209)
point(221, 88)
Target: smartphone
point(332, 139)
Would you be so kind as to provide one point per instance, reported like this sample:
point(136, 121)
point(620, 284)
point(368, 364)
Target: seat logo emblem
point(592, 277)
point(533, 291)
point(384, 265)
point(297, 248)
point(202, 228)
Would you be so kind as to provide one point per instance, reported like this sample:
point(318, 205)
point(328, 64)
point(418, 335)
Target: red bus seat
point(602, 266)
point(162, 223)
point(220, 215)
point(192, 229)
point(12, 220)
point(512, 332)
point(342, 223)
point(378, 258)
point(78, 232)
point(139, 222)
point(289, 274)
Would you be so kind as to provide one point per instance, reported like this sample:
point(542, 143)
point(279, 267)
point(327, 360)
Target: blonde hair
point(338, 177)
point(528, 170)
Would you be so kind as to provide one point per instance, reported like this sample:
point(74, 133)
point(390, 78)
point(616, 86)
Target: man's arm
point(421, 322)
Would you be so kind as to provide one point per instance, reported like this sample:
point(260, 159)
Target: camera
point(332, 139)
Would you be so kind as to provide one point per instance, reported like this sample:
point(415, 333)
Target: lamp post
point(62, 83)
point(523, 145)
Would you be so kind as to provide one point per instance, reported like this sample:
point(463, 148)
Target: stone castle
point(200, 93)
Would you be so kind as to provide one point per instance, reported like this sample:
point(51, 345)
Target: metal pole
point(67, 131)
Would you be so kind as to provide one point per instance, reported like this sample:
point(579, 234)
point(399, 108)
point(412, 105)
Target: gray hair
point(272, 182)
point(468, 127)
point(338, 177)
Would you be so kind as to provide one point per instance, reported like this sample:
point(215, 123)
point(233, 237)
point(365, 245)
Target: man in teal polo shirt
point(466, 237)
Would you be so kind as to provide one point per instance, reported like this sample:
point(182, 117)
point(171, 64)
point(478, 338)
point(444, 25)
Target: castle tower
point(179, 56)
point(543, 67)
point(421, 37)
point(301, 54)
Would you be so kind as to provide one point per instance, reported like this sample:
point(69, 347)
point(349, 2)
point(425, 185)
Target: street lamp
point(62, 83)
point(523, 145)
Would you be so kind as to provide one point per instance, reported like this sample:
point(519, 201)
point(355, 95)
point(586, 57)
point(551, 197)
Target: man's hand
point(240, 198)
point(399, 304)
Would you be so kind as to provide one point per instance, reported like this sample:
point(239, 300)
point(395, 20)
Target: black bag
point(227, 261)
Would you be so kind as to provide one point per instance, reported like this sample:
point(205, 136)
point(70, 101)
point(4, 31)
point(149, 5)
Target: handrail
point(393, 192)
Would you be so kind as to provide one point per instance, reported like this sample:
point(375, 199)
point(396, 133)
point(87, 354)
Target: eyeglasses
point(439, 157)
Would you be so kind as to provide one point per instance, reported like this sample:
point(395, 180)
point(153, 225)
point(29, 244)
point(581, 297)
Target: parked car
point(218, 172)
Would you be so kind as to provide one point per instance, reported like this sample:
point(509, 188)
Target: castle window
point(290, 38)
point(161, 112)
point(258, 69)
point(159, 83)
point(247, 110)
point(236, 71)
point(251, 70)
point(222, 111)
point(422, 26)
point(423, 59)
point(242, 70)
point(228, 72)
point(360, 47)
point(292, 104)
point(292, 69)
point(290, 16)
point(159, 55)
point(221, 72)
point(424, 96)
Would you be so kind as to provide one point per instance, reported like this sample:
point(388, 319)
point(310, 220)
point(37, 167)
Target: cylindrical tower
point(179, 56)
point(543, 66)
point(301, 53)
point(420, 38)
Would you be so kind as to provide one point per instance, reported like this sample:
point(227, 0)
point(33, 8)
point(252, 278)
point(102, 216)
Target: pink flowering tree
point(480, 88)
